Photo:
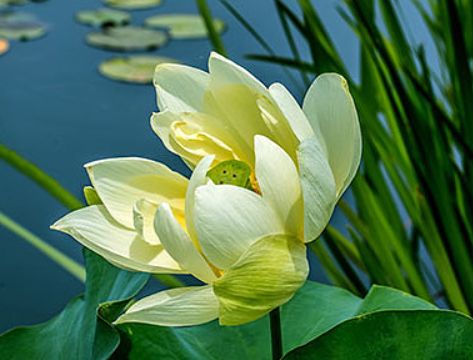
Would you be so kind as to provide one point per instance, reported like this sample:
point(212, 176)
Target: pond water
point(57, 111)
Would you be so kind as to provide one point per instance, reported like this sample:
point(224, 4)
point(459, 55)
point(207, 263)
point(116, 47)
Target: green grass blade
point(214, 36)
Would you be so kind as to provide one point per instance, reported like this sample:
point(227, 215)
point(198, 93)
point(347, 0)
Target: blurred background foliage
point(411, 223)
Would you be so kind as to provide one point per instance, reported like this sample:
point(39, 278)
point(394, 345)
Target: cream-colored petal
point(180, 88)
point(179, 245)
point(318, 187)
point(225, 72)
point(292, 111)
point(228, 219)
point(198, 178)
point(331, 110)
point(121, 182)
point(143, 220)
point(195, 135)
point(279, 129)
point(280, 186)
point(266, 276)
point(185, 306)
point(94, 228)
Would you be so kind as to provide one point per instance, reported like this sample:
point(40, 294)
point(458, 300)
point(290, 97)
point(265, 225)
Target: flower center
point(234, 172)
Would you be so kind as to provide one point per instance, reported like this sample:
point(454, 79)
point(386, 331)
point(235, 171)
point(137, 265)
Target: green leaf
point(396, 335)
point(314, 310)
point(184, 26)
point(133, 69)
point(129, 38)
point(132, 4)
point(20, 26)
point(76, 333)
point(103, 17)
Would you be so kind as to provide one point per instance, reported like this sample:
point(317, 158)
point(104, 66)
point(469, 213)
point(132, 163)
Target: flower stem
point(276, 334)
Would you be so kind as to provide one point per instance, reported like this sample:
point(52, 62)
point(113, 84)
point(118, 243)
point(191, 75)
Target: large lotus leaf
point(133, 69)
point(4, 46)
point(76, 333)
point(129, 38)
point(20, 26)
point(183, 26)
point(395, 335)
point(133, 4)
point(314, 310)
point(103, 17)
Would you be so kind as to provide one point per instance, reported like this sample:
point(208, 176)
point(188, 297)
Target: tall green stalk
point(213, 34)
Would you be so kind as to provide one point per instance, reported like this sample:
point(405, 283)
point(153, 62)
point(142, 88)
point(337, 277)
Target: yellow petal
point(121, 182)
point(185, 306)
point(318, 187)
point(195, 135)
point(228, 219)
point(225, 72)
point(179, 245)
point(332, 113)
point(143, 220)
point(279, 182)
point(198, 178)
point(266, 276)
point(292, 111)
point(94, 228)
point(179, 87)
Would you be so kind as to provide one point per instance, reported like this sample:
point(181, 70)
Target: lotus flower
point(246, 243)
point(247, 247)
point(220, 113)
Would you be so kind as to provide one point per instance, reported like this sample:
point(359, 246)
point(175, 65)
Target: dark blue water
point(57, 111)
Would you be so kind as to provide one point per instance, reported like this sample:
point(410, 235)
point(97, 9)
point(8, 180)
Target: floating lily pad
point(134, 69)
point(133, 4)
point(182, 26)
point(20, 26)
point(12, 2)
point(129, 38)
point(4, 46)
point(103, 17)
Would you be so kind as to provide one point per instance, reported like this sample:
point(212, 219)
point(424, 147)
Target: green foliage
point(103, 17)
point(418, 142)
point(138, 69)
point(399, 335)
point(184, 26)
point(314, 311)
point(132, 4)
point(19, 26)
point(77, 332)
point(212, 27)
point(127, 38)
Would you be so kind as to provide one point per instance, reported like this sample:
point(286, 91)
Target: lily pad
point(12, 2)
point(129, 38)
point(103, 17)
point(4, 46)
point(133, 69)
point(133, 4)
point(183, 26)
point(20, 26)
